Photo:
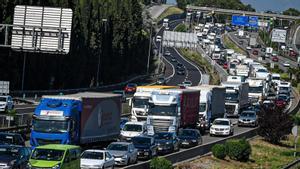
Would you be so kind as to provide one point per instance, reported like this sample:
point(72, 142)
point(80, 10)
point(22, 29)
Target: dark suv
point(146, 146)
point(12, 138)
point(167, 142)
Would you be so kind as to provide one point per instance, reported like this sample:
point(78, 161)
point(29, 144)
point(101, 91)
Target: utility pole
point(23, 73)
point(99, 58)
point(149, 51)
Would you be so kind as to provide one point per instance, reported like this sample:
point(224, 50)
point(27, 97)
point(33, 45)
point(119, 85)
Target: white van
point(132, 129)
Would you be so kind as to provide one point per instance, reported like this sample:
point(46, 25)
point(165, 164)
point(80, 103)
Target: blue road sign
point(253, 21)
point(239, 20)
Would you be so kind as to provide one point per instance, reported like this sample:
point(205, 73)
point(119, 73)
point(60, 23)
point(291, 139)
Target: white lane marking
point(191, 64)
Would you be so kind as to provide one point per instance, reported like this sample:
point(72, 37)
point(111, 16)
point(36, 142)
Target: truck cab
point(139, 102)
point(256, 89)
point(216, 54)
point(172, 109)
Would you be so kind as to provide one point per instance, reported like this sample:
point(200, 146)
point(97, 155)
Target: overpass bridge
point(240, 12)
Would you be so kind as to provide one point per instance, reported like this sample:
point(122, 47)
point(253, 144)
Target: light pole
point(23, 73)
point(149, 51)
point(99, 58)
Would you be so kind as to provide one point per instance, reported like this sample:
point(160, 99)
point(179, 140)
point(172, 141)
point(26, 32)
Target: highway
point(245, 43)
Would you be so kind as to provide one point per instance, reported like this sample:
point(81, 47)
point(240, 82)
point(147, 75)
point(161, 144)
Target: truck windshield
point(202, 107)
point(169, 110)
point(132, 127)
point(47, 154)
point(258, 89)
point(232, 97)
point(2, 99)
point(50, 126)
point(140, 103)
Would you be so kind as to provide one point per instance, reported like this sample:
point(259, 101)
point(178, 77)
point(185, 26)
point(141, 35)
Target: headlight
point(12, 163)
point(227, 128)
point(212, 128)
point(125, 156)
point(168, 142)
point(194, 141)
point(56, 167)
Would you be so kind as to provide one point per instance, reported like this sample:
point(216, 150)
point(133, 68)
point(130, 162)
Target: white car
point(158, 38)
point(6, 103)
point(286, 64)
point(133, 129)
point(222, 127)
point(124, 152)
point(187, 83)
point(96, 159)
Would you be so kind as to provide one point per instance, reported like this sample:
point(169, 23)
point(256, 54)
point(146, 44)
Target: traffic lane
point(28, 109)
point(176, 79)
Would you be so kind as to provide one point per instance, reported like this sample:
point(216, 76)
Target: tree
point(274, 123)
point(292, 12)
point(181, 4)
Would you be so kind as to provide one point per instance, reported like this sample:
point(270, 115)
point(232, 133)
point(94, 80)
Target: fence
point(23, 119)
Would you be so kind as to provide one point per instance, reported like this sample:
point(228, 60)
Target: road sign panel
point(43, 29)
point(253, 21)
point(239, 20)
point(279, 35)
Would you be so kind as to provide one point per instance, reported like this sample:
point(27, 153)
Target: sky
point(264, 5)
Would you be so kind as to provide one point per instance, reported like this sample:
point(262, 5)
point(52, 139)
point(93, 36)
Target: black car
point(146, 147)
point(179, 66)
point(189, 137)
point(14, 156)
point(12, 138)
point(167, 142)
point(181, 71)
point(161, 81)
point(173, 59)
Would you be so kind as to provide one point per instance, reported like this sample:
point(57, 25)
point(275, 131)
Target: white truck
point(236, 97)
point(257, 89)
point(242, 70)
point(229, 53)
point(166, 23)
point(211, 105)
point(139, 101)
point(252, 42)
point(275, 78)
point(216, 55)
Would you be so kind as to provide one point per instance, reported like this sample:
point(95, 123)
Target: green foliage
point(119, 42)
point(292, 12)
point(219, 151)
point(160, 163)
point(12, 112)
point(181, 28)
point(239, 150)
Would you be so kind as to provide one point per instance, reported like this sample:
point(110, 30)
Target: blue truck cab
point(81, 118)
point(56, 121)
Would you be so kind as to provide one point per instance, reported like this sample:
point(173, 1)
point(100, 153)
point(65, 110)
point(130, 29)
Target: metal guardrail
point(69, 91)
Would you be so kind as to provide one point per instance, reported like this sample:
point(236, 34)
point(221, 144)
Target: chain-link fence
point(23, 119)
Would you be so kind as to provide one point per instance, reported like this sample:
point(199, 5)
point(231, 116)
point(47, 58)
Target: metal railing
point(7, 121)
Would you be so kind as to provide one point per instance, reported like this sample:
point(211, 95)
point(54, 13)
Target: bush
point(160, 163)
point(239, 150)
point(219, 151)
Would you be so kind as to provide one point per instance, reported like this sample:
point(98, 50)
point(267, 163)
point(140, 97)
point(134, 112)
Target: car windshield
point(256, 89)
point(92, 155)
point(231, 96)
point(202, 107)
point(141, 141)
point(118, 147)
point(283, 97)
point(47, 154)
point(275, 78)
point(187, 82)
point(9, 151)
point(133, 127)
point(232, 66)
point(221, 122)
point(50, 126)
point(262, 70)
point(131, 85)
point(140, 103)
point(163, 110)
point(186, 133)
point(248, 114)
point(161, 79)
point(163, 136)
point(283, 88)
point(2, 99)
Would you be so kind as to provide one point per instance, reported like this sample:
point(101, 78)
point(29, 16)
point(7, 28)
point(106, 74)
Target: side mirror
point(130, 102)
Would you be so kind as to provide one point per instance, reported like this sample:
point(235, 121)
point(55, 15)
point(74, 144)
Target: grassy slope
point(229, 44)
point(264, 155)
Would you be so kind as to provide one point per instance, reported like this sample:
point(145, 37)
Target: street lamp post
point(149, 51)
point(99, 58)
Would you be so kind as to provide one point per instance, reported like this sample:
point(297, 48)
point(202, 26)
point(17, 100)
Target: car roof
point(58, 146)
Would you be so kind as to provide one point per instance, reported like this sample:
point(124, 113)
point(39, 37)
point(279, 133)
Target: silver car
point(124, 153)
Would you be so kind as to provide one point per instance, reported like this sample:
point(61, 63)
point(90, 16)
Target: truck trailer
point(80, 119)
point(172, 109)
point(211, 104)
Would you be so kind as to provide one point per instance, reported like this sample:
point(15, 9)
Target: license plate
point(218, 132)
